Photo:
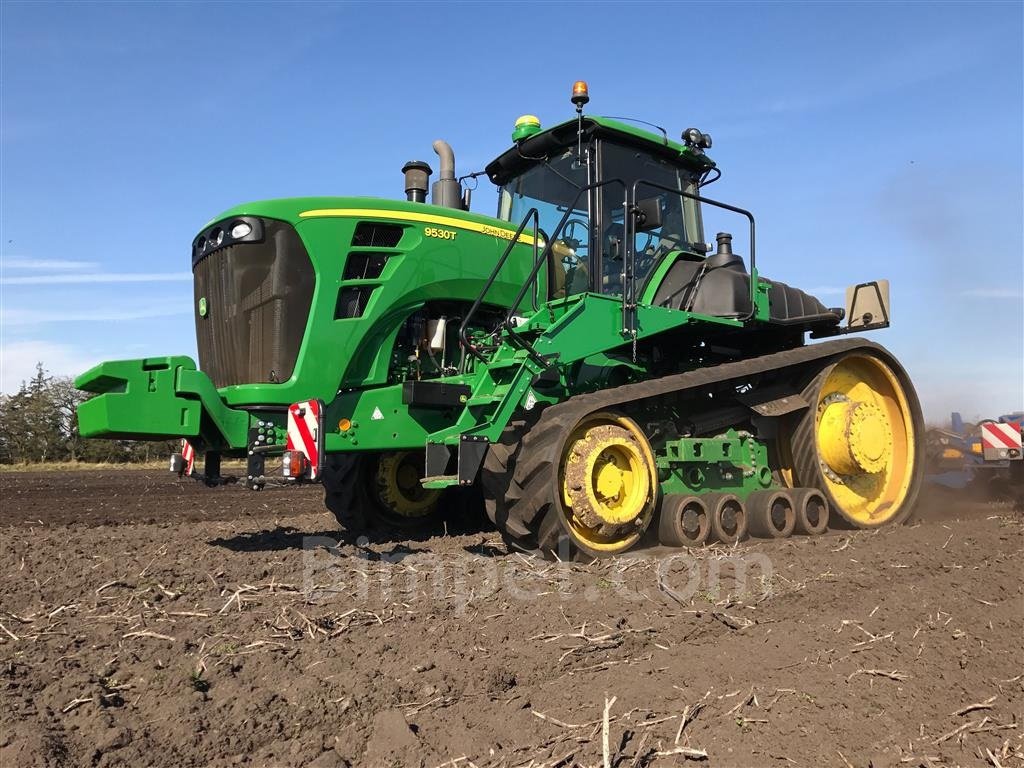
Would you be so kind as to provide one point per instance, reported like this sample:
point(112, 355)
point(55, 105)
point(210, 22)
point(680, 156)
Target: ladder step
point(440, 481)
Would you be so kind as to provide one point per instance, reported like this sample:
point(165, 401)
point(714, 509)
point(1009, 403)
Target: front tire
point(369, 490)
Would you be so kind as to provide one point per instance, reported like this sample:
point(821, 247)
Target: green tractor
point(584, 361)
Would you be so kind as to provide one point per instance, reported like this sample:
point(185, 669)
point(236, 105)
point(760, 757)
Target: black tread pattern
point(342, 491)
point(518, 473)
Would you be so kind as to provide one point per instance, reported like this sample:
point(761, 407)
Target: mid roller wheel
point(770, 514)
point(811, 511)
point(728, 517)
point(684, 521)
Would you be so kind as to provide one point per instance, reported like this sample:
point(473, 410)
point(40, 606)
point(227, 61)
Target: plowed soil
point(147, 621)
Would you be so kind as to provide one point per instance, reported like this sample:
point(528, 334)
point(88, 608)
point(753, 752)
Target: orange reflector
point(344, 425)
point(295, 464)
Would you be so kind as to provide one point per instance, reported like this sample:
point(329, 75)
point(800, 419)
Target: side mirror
point(648, 214)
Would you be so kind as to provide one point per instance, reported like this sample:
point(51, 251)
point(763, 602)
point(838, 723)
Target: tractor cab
point(581, 177)
point(621, 207)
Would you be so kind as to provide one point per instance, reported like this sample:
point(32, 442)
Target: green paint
point(157, 398)
point(735, 463)
point(357, 365)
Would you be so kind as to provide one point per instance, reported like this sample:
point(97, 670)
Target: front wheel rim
point(397, 489)
point(607, 483)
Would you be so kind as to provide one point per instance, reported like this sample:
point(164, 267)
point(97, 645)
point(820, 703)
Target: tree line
point(39, 423)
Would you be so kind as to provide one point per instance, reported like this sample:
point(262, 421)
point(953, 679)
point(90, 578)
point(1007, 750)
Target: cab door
point(628, 251)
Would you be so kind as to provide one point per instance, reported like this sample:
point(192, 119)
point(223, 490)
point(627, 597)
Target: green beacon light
point(526, 126)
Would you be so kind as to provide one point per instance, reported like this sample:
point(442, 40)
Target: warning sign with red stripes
point(188, 453)
point(305, 432)
point(1001, 440)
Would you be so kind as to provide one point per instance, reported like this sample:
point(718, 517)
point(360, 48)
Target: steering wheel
point(572, 242)
point(569, 231)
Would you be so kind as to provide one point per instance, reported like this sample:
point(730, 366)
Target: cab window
point(632, 166)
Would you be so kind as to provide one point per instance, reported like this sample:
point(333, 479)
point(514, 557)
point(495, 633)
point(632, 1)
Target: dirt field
point(147, 621)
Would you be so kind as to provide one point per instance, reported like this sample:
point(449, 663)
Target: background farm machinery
point(985, 457)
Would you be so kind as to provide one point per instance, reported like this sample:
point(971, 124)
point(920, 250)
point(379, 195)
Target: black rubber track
point(518, 474)
point(804, 446)
point(342, 491)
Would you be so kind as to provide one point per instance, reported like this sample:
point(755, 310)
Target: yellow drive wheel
point(608, 484)
point(394, 486)
point(857, 441)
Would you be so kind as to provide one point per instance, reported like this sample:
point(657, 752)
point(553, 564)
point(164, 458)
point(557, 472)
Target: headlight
point(240, 229)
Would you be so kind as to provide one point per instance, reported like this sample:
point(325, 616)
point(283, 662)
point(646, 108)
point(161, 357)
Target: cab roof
point(524, 154)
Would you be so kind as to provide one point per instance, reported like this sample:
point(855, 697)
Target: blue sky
point(870, 140)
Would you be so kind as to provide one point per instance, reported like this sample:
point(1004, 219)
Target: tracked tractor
point(583, 360)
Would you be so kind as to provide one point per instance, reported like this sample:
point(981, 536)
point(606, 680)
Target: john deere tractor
point(583, 360)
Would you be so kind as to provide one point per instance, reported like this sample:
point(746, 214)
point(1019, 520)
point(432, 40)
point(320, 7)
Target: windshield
point(552, 187)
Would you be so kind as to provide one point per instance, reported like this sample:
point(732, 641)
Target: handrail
point(717, 204)
point(463, 336)
point(531, 281)
point(551, 240)
point(535, 272)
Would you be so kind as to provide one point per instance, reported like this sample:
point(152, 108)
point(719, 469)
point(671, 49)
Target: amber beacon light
point(580, 93)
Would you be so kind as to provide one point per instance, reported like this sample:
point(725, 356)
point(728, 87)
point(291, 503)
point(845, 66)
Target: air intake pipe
point(446, 191)
point(417, 177)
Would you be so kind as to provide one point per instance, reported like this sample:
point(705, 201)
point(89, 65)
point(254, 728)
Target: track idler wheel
point(860, 440)
point(393, 481)
point(685, 521)
point(770, 514)
point(571, 487)
point(811, 511)
point(728, 517)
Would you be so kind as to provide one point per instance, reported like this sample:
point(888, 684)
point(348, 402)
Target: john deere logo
point(202, 307)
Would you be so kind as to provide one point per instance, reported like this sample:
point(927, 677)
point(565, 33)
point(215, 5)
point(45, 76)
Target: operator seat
point(566, 281)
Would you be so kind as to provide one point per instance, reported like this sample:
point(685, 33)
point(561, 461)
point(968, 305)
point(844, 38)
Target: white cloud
point(112, 277)
point(9, 317)
point(993, 293)
point(25, 262)
point(18, 361)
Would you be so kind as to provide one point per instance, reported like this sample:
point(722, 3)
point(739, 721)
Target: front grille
point(371, 234)
point(256, 298)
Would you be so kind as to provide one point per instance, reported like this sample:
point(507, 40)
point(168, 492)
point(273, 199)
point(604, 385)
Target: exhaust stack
point(446, 191)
